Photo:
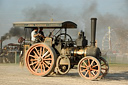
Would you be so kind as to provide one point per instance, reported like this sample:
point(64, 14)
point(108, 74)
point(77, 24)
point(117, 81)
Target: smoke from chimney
point(44, 12)
point(13, 32)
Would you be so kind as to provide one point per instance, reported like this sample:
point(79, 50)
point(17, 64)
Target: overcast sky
point(77, 10)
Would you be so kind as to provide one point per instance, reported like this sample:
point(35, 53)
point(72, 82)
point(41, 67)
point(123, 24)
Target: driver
point(34, 35)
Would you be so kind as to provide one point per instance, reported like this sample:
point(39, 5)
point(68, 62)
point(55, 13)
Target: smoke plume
point(13, 32)
point(45, 12)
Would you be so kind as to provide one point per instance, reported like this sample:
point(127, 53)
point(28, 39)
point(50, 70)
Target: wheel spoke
point(89, 73)
point(82, 66)
point(47, 56)
point(85, 64)
point(92, 62)
point(47, 59)
point(88, 62)
point(92, 73)
point(36, 65)
point(102, 73)
point(33, 59)
point(43, 67)
point(46, 64)
point(83, 70)
point(102, 64)
point(103, 68)
point(94, 70)
point(43, 51)
point(94, 66)
point(86, 73)
point(40, 51)
point(33, 56)
point(37, 51)
point(33, 63)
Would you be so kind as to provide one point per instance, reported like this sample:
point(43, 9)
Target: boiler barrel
point(87, 51)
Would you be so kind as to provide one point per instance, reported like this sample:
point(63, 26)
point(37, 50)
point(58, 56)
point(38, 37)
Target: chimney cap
point(93, 18)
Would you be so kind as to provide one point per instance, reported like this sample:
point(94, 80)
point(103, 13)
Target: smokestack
point(93, 31)
point(1, 44)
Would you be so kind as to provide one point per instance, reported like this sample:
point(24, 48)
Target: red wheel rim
point(89, 68)
point(40, 59)
point(104, 67)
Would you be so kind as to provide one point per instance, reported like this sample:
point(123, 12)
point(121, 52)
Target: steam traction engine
point(58, 54)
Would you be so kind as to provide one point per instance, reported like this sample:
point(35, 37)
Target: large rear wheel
point(40, 59)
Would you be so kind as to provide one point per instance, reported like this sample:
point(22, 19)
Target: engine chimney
point(93, 31)
point(1, 44)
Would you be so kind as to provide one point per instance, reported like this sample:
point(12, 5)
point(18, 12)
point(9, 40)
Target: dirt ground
point(11, 74)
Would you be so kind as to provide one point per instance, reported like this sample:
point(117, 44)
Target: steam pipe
point(93, 31)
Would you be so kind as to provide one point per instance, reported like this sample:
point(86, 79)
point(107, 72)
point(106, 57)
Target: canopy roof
point(52, 24)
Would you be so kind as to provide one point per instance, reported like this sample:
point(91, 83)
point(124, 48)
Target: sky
point(108, 13)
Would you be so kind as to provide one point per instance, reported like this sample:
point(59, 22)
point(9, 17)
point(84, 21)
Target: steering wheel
point(61, 37)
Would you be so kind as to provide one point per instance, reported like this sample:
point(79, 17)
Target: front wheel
point(89, 68)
